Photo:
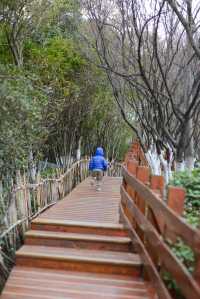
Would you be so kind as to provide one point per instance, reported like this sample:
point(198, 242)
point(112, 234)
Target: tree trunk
point(153, 160)
point(78, 151)
point(32, 167)
point(16, 48)
point(179, 162)
point(189, 151)
point(180, 166)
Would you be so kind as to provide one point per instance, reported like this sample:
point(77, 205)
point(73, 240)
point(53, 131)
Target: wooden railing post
point(142, 174)
point(157, 185)
point(132, 168)
point(176, 199)
point(157, 220)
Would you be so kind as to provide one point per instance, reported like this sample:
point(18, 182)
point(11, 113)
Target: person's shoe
point(92, 183)
point(98, 188)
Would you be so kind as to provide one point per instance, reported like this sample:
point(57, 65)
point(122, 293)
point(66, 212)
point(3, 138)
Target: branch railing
point(155, 226)
point(114, 169)
point(27, 202)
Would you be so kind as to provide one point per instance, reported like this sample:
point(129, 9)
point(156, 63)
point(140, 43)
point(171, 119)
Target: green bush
point(50, 173)
point(191, 182)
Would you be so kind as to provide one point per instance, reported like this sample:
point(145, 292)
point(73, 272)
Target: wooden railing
point(115, 169)
point(28, 201)
point(155, 225)
point(135, 152)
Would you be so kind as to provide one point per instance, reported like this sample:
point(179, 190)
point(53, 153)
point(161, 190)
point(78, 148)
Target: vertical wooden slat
point(132, 168)
point(142, 174)
point(176, 199)
point(157, 184)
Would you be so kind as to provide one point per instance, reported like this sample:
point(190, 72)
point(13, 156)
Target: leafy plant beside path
point(191, 182)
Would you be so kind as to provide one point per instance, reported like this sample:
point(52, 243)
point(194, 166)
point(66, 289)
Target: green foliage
point(59, 66)
point(5, 55)
point(21, 114)
point(185, 254)
point(50, 173)
point(190, 181)
point(54, 96)
point(59, 55)
point(172, 285)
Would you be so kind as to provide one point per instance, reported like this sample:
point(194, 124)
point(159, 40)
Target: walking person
point(97, 166)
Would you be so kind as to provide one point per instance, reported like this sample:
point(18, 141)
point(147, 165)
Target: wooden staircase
point(75, 251)
point(65, 259)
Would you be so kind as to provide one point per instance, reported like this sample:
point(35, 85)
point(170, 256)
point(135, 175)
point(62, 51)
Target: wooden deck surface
point(78, 249)
point(85, 204)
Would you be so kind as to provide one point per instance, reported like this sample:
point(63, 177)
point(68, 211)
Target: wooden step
point(32, 283)
point(99, 261)
point(108, 229)
point(87, 241)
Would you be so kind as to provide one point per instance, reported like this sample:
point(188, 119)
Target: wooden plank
point(76, 240)
point(157, 183)
point(109, 229)
point(79, 277)
point(157, 219)
point(176, 199)
point(79, 254)
point(54, 284)
point(24, 295)
point(84, 204)
point(72, 236)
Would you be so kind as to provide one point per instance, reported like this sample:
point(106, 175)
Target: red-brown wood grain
point(78, 249)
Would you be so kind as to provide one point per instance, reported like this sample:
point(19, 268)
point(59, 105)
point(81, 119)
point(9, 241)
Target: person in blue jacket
point(97, 165)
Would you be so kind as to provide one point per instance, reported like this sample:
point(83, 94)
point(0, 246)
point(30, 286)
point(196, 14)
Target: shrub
point(191, 182)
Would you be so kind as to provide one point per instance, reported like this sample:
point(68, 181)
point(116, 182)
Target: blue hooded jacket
point(98, 161)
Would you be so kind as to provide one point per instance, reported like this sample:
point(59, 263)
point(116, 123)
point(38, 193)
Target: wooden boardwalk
point(78, 249)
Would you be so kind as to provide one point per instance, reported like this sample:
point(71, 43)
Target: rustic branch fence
point(28, 201)
point(115, 169)
point(155, 225)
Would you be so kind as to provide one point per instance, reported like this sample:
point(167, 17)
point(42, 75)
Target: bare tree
point(152, 66)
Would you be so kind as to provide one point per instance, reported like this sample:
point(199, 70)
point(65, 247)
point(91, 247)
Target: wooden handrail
point(173, 223)
point(149, 266)
point(153, 224)
point(165, 255)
